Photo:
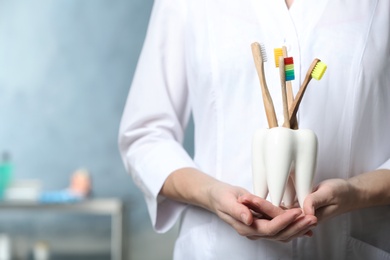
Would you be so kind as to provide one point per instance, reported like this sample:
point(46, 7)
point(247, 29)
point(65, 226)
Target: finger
point(309, 206)
point(289, 233)
point(302, 227)
point(238, 212)
point(241, 228)
point(316, 200)
point(309, 233)
point(260, 227)
point(326, 212)
point(306, 232)
point(297, 228)
point(284, 233)
point(260, 205)
point(273, 227)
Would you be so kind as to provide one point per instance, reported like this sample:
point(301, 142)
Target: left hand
point(330, 198)
point(275, 223)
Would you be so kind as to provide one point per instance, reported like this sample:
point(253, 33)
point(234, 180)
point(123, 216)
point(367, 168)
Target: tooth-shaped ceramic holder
point(280, 155)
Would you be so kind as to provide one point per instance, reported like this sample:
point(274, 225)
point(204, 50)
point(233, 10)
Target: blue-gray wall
point(65, 71)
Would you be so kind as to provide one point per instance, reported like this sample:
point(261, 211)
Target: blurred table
point(110, 206)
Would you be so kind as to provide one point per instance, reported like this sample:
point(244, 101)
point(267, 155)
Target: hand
point(248, 214)
point(330, 198)
point(257, 218)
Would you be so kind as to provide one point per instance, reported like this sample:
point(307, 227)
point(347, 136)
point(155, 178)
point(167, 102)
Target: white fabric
point(197, 58)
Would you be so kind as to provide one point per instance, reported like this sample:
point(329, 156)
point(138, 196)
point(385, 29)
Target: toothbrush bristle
point(289, 68)
point(263, 52)
point(319, 70)
point(278, 52)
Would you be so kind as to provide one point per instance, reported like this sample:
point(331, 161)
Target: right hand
point(257, 218)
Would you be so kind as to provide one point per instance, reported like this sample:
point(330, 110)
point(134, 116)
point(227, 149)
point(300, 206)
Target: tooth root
point(305, 163)
point(258, 167)
point(278, 157)
point(289, 193)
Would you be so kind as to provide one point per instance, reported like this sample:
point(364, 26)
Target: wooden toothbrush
point(259, 58)
point(316, 71)
point(279, 54)
point(282, 73)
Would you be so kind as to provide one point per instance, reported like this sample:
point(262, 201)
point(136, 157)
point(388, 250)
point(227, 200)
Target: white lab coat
point(197, 58)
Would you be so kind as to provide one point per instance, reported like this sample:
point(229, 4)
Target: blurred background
point(65, 71)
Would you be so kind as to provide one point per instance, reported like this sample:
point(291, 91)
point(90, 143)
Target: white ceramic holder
point(283, 164)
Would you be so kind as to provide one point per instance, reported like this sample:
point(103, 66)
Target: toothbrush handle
point(282, 73)
point(290, 94)
point(267, 99)
point(298, 98)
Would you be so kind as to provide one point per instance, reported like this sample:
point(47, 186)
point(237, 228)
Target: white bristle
point(263, 52)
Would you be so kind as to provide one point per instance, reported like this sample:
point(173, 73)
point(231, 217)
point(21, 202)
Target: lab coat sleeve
point(157, 111)
point(385, 165)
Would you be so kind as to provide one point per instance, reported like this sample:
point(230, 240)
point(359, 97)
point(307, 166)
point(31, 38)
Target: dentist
point(197, 60)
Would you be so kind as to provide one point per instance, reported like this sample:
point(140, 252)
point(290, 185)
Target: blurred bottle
point(5, 247)
point(41, 251)
point(6, 169)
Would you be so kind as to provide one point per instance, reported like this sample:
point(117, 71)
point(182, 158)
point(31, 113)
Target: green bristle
point(290, 75)
point(289, 68)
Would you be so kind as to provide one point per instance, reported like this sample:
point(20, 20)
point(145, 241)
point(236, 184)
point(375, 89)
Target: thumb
point(308, 206)
point(242, 214)
point(314, 201)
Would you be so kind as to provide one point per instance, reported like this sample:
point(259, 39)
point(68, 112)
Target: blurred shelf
point(55, 256)
point(103, 206)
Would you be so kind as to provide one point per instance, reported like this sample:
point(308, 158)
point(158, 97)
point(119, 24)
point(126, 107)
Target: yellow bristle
point(319, 70)
point(278, 52)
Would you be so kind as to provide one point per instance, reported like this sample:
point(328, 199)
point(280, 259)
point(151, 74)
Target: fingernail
point(298, 214)
point(244, 218)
